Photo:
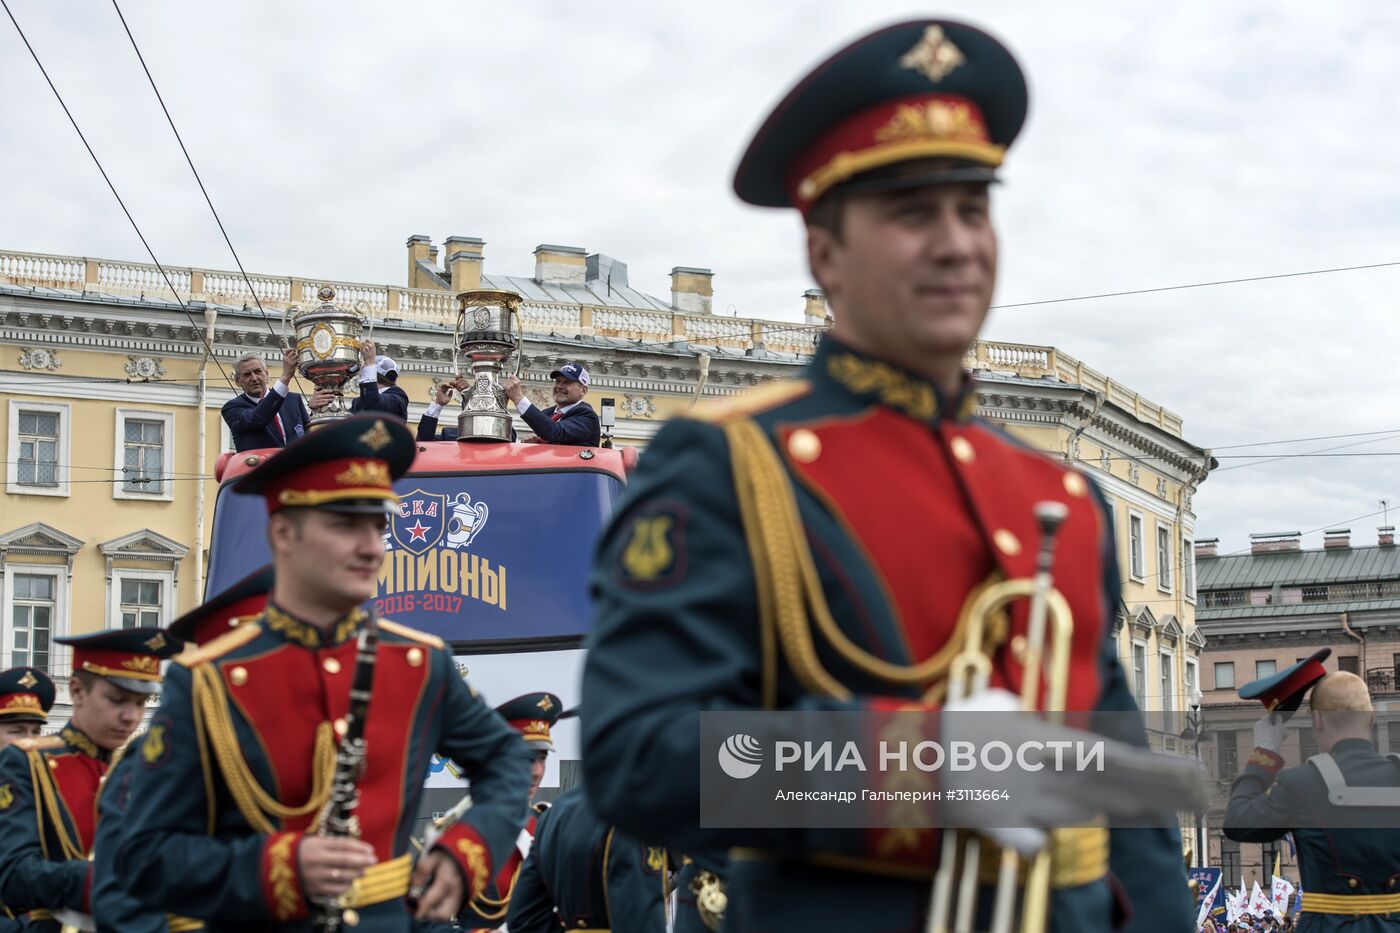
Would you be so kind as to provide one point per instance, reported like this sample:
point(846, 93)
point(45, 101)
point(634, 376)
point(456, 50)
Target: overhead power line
point(202, 190)
point(98, 162)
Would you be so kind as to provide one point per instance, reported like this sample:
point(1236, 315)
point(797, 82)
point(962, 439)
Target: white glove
point(1269, 731)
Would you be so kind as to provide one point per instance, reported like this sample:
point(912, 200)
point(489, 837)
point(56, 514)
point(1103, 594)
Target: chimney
point(1386, 536)
point(605, 272)
point(815, 311)
point(560, 265)
point(419, 248)
point(1207, 547)
point(692, 290)
point(1336, 538)
point(465, 255)
point(1275, 542)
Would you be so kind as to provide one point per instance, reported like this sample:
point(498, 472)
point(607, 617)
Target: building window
point(34, 608)
point(1188, 569)
point(1227, 754)
point(1307, 743)
point(1140, 674)
point(140, 603)
point(1165, 671)
point(144, 454)
point(1229, 864)
point(1135, 557)
point(38, 449)
point(1164, 558)
point(1349, 663)
point(141, 598)
point(1224, 675)
point(1265, 669)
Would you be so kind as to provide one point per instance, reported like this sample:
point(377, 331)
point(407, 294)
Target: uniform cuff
point(523, 405)
point(473, 859)
point(892, 720)
point(1270, 762)
point(280, 388)
point(434, 409)
point(281, 884)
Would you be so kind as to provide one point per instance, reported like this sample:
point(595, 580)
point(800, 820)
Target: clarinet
point(338, 816)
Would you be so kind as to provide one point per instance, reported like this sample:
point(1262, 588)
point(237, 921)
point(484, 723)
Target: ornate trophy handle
point(457, 340)
point(286, 340)
point(519, 317)
point(369, 318)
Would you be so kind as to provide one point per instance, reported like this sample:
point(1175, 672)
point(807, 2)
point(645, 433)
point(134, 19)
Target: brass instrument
point(971, 673)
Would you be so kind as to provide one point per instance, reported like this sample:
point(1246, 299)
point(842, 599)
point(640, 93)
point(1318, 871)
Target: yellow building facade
point(109, 404)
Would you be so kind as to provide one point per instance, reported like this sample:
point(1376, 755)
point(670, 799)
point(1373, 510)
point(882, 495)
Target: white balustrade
point(614, 322)
point(38, 269)
point(131, 278)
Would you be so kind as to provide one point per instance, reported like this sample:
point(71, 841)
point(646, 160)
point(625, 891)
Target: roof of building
point(1205, 614)
point(1296, 568)
point(594, 292)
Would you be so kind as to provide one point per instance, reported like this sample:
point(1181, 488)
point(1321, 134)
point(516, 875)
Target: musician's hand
point(289, 364)
point(444, 885)
point(330, 864)
point(512, 389)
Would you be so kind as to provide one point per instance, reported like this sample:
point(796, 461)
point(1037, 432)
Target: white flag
point(1208, 902)
point(1259, 904)
point(1283, 890)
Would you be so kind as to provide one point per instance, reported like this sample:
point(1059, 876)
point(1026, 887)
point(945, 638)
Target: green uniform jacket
point(908, 504)
point(1346, 851)
point(583, 874)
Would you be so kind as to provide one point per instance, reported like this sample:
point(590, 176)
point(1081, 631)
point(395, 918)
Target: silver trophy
point(487, 335)
point(328, 347)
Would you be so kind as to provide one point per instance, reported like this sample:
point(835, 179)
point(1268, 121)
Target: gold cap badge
point(934, 56)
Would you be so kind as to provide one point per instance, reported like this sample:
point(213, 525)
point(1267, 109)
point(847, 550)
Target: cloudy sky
point(1167, 144)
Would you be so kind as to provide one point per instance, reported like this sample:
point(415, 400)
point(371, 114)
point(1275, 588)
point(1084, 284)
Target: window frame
point(166, 578)
point(64, 453)
point(1215, 682)
point(1258, 675)
point(1188, 569)
point(1191, 677)
point(1166, 671)
point(1137, 558)
point(1164, 568)
point(1139, 680)
point(119, 490)
point(59, 655)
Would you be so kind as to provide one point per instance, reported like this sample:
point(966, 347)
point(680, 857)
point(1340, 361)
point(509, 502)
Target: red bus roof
point(463, 457)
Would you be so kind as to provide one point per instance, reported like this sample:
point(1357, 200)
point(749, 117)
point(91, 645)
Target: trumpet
point(970, 673)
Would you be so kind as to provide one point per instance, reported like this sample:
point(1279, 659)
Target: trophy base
point(483, 426)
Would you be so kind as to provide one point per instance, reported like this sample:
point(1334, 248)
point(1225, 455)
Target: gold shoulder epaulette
point(40, 742)
point(219, 647)
point(413, 634)
point(759, 398)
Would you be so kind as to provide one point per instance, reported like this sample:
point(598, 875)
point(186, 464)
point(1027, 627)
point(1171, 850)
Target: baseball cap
point(385, 365)
point(574, 372)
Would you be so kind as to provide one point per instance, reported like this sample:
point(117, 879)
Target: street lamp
point(1194, 733)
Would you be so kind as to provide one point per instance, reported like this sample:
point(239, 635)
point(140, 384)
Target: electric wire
point(98, 162)
point(200, 181)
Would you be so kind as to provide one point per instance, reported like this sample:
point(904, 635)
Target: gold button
point(1006, 542)
point(1075, 485)
point(1352, 882)
point(341, 727)
point(1390, 883)
point(415, 657)
point(331, 665)
point(53, 763)
point(238, 676)
point(804, 446)
point(350, 916)
point(962, 450)
point(1018, 648)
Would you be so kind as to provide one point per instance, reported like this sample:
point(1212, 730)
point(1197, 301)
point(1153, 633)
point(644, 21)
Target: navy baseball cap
point(574, 372)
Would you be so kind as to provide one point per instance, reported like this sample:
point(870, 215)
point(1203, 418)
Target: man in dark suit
point(379, 390)
point(259, 417)
point(570, 420)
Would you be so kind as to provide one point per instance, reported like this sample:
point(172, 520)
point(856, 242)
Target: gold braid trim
point(48, 802)
point(212, 719)
point(789, 585)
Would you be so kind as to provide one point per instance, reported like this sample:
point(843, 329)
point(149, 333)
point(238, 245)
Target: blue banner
point(1206, 879)
point(469, 557)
